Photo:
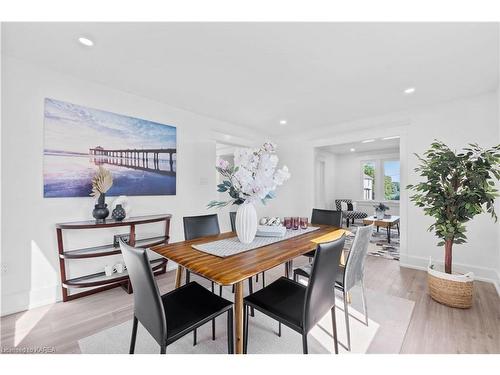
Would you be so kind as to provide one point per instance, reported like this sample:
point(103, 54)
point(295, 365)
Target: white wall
point(29, 251)
point(457, 123)
point(296, 196)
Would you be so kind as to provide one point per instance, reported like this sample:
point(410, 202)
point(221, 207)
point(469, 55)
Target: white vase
point(246, 222)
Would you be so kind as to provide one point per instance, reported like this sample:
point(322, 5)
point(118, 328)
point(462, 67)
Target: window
point(369, 180)
point(391, 180)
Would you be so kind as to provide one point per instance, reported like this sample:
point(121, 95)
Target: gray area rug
point(388, 321)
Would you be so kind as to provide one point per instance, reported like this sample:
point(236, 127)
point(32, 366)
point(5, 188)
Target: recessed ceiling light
point(282, 122)
point(352, 149)
point(393, 137)
point(86, 41)
point(368, 141)
point(409, 90)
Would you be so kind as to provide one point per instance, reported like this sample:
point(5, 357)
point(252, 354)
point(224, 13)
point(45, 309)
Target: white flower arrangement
point(252, 178)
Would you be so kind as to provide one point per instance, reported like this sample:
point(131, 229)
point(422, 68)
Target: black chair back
point(232, 218)
point(148, 306)
point(200, 226)
point(320, 294)
point(328, 217)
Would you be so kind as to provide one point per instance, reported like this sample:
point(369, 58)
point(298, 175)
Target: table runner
point(232, 246)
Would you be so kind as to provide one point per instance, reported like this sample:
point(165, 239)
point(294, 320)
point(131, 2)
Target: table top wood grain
point(235, 268)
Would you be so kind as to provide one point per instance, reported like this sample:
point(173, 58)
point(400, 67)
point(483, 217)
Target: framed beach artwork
point(140, 154)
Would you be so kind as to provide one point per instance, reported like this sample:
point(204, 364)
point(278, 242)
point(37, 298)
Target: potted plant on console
point(252, 178)
point(101, 183)
point(457, 187)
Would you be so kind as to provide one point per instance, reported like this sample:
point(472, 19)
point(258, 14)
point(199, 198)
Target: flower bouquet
point(254, 177)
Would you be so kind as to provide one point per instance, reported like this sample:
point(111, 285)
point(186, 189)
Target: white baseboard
point(25, 300)
point(489, 275)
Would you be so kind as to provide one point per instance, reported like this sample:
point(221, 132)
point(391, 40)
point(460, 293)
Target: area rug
point(379, 246)
point(388, 321)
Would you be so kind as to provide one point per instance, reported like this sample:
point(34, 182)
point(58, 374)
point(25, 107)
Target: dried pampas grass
point(102, 182)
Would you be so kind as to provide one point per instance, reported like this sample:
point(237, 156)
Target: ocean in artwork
point(140, 154)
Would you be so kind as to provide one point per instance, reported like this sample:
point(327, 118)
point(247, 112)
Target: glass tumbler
point(304, 222)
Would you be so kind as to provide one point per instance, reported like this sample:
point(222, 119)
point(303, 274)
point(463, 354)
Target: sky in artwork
point(73, 128)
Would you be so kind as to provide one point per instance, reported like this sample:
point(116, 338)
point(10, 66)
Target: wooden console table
point(99, 280)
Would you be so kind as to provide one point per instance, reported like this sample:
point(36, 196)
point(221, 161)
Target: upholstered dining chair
point(232, 218)
point(201, 226)
point(196, 227)
point(170, 316)
point(326, 217)
point(297, 306)
point(350, 275)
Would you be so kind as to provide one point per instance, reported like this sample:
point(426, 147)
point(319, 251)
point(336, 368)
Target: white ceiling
point(254, 74)
point(379, 145)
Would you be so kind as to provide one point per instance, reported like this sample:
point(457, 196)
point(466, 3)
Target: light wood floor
point(434, 328)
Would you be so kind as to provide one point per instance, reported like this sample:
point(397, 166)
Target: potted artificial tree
point(457, 187)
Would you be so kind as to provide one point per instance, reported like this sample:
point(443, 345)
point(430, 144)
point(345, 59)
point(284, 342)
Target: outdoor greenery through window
point(369, 180)
point(391, 180)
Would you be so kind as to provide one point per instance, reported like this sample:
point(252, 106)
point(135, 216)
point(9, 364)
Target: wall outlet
point(124, 237)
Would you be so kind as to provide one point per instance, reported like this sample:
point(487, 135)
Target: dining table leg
point(238, 316)
point(178, 276)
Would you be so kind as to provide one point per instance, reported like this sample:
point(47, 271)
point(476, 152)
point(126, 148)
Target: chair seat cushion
point(189, 304)
point(354, 214)
point(305, 271)
point(310, 254)
point(284, 299)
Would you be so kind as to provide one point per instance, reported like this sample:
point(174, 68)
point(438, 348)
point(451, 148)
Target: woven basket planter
point(453, 290)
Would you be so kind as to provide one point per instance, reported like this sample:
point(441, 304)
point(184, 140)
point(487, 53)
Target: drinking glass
point(304, 222)
point(295, 223)
point(288, 222)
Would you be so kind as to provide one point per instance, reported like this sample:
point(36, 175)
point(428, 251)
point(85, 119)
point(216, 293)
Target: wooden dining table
point(235, 269)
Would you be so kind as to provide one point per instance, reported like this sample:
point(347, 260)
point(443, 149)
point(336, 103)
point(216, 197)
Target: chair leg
point(263, 280)
point(213, 329)
point(304, 342)
point(334, 325)
point(250, 290)
point(134, 335)
point(232, 289)
point(194, 337)
point(220, 290)
point(346, 313)
point(230, 336)
point(163, 348)
point(213, 290)
point(257, 278)
point(188, 276)
point(279, 329)
point(295, 277)
point(245, 329)
point(365, 308)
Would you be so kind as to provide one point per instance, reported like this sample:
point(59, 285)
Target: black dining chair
point(170, 316)
point(196, 227)
point(232, 218)
point(295, 305)
point(201, 226)
point(350, 275)
point(325, 217)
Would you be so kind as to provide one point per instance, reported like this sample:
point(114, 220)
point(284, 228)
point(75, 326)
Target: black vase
point(118, 213)
point(100, 212)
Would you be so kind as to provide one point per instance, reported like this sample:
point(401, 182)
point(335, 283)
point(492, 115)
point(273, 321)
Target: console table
point(99, 280)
